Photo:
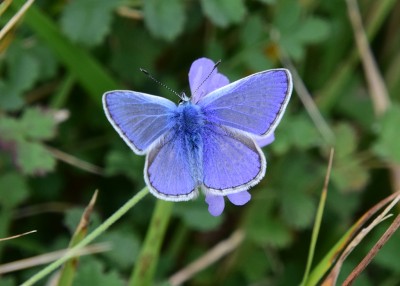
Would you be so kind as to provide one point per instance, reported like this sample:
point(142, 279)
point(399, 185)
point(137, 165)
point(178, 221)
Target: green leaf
point(13, 189)
point(269, 231)
point(92, 272)
point(34, 159)
point(196, 216)
point(86, 69)
point(122, 242)
point(254, 264)
point(346, 140)
point(38, 125)
point(165, 19)
point(253, 31)
point(387, 145)
point(270, 2)
point(11, 98)
point(24, 68)
point(87, 21)
point(224, 12)
point(126, 163)
point(349, 175)
point(298, 209)
point(296, 131)
point(135, 48)
point(10, 129)
point(313, 30)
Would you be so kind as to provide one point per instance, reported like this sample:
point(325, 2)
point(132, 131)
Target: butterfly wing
point(139, 118)
point(254, 104)
point(232, 161)
point(168, 171)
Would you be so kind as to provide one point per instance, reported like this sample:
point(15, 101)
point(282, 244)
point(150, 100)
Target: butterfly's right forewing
point(139, 118)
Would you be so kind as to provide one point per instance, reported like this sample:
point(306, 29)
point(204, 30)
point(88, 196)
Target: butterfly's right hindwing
point(139, 118)
point(168, 172)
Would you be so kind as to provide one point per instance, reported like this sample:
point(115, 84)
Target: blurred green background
point(57, 147)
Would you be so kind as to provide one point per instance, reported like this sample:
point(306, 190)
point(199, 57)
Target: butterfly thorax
point(189, 125)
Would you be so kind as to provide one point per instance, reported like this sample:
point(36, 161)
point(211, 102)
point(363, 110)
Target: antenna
point(213, 69)
point(181, 96)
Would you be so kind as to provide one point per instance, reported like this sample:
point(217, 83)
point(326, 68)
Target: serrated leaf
point(13, 189)
point(34, 159)
point(313, 30)
point(87, 21)
point(387, 145)
point(253, 31)
point(303, 132)
point(298, 209)
point(92, 273)
point(10, 129)
point(165, 19)
point(224, 12)
point(38, 125)
point(11, 98)
point(346, 140)
point(349, 175)
point(269, 231)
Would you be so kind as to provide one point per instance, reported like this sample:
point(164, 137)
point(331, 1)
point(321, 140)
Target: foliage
point(64, 54)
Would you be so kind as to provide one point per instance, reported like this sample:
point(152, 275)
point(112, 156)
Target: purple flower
point(199, 71)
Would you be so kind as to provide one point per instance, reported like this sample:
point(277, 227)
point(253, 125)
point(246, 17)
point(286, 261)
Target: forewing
point(139, 118)
point(254, 104)
point(167, 170)
point(232, 161)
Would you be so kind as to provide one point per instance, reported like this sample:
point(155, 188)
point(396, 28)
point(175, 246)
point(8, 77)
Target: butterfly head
point(183, 98)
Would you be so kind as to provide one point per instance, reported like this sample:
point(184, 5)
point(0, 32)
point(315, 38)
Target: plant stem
point(143, 271)
point(93, 235)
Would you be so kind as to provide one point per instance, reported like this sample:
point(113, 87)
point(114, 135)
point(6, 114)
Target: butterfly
point(207, 141)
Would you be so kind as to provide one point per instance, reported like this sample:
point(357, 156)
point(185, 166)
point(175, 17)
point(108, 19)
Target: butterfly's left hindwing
point(139, 118)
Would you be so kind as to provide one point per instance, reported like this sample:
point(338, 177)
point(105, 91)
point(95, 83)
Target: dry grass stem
point(309, 104)
point(51, 256)
point(216, 253)
point(14, 20)
point(18, 235)
point(375, 81)
point(69, 159)
point(333, 275)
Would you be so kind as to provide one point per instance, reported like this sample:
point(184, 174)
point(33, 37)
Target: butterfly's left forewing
point(254, 104)
point(139, 118)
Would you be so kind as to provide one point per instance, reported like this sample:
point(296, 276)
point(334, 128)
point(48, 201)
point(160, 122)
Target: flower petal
point(261, 142)
point(199, 71)
point(216, 204)
point(239, 199)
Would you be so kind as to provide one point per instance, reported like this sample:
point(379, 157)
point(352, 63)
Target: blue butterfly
point(207, 141)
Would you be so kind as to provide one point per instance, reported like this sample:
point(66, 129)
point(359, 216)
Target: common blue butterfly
point(206, 141)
